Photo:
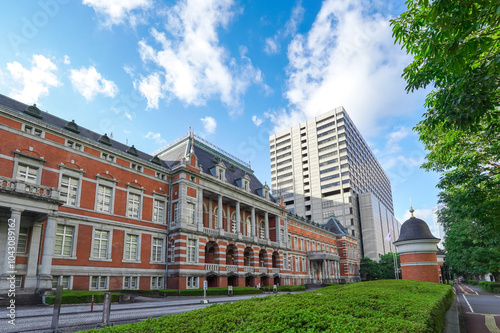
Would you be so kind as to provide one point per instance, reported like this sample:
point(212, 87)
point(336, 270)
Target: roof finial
point(411, 209)
point(249, 164)
point(191, 150)
point(189, 129)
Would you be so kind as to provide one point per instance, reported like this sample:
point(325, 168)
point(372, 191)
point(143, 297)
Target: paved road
point(480, 309)
point(78, 317)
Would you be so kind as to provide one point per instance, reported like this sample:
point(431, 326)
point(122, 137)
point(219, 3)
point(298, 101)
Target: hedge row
point(492, 287)
point(375, 306)
point(284, 288)
point(215, 291)
point(81, 296)
point(471, 282)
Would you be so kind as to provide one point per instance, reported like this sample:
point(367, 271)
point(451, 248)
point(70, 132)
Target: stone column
point(8, 269)
point(30, 281)
point(238, 217)
point(253, 221)
point(210, 211)
point(181, 211)
point(200, 209)
point(266, 226)
point(219, 213)
point(48, 251)
point(278, 228)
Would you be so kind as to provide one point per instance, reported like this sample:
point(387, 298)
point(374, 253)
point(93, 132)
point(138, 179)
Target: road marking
point(470, 307)
point(491, 324)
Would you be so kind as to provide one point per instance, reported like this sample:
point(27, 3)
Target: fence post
point(106, 308)
point(57, 309)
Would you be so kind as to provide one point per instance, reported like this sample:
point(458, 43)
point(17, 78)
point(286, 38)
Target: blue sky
point(236, 71)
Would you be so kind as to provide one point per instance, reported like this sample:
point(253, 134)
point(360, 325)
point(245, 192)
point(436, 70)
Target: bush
point(81, 296)
point(492, 287)
point(284, 288)
point(471, 282)
point(375, 306)
point(215, 291)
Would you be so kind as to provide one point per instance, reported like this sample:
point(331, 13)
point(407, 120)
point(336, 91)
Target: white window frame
point(60, 279)
point(74, 236)
point(233, 223)
point(304, 266)
point(70, 188)
point(159, 204)
point(33, 130)
point(128, 256)
point(74, 145)
point(128, 281)
point(192, 282)
point(192, 257)
point(108, 245)
point(108, 157)
point(24, 236)
point(157, 282)
point(99, 280)
point(191, 212)
point(134, 205)
point(110, 183)
point(161, 249)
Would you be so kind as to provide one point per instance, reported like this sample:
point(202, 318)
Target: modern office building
point(323, 167)
point(88, 212)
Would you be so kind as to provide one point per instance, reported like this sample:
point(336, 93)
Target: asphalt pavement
point(479, 309)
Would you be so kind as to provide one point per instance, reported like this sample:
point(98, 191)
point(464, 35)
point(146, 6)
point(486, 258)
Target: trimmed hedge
point(471, 282)
point(284, 288)
point(492, 287)
point(375, 306)
point(213, 291)
point(81, 296)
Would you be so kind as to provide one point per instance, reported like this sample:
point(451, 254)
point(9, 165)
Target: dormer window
point(246, 185)
point(219, 171)
point(244, 182)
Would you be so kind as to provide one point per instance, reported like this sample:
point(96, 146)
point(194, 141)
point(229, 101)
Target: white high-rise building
point(323, 167)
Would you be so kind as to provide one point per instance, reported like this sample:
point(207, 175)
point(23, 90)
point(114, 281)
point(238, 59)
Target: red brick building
point(92, 213)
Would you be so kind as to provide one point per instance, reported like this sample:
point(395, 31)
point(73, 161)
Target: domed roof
point(414, 228)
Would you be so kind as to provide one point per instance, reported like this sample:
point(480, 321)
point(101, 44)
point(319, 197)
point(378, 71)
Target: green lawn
point(375, 306)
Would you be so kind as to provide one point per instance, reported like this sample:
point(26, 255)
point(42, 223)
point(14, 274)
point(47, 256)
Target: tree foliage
point(456, 50)
point(372, 270)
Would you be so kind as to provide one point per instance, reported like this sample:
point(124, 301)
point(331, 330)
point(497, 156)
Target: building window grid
point(157, 250)
point(156, 282)
point(131, 247)
point(100, 249)
point(22, 240)
point(63, 244)
point(130, 282)
point(191, 213)
point(98, 282)
point(191, 250)
point(104, 198)
point(69, 190)
point(27, 173)
point(159, 211)
point(134, 204)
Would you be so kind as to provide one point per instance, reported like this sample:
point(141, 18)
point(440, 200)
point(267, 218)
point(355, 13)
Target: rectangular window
point(289, 240)
point(74, 145)
point(296, 242)
point(22, 241)
point(191, 250)
point(136, 167)
point(62, 280)
point(27, 173)
point(108, 157)
point(69, 190)
point(285, 261)
point(63, 245)
point(104, 198)
point(304, 269)
point(101, 244)
point(157, 282)
point(134, 204)
point(19, 281)
point(131, 242)
point(174, 212)
point(130, 282)
point(99, 282)
point(192, 282)
point(157, 253)
point(191, 212)
point(159, 211)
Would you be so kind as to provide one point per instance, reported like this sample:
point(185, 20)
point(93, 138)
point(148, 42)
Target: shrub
point(81, 296)
point(375, 306)
point(492, 287)
point(471, 282)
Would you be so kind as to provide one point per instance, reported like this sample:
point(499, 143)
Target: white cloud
point(272, 45)
point(209, 124)
point(118, 11)
point(28, 85)
point(394, 138)
point(66, 60)
point(89, 82)
point(347, 58)
point(194, 66)
point(156, 137)
point(257, 121)
point(150, 87)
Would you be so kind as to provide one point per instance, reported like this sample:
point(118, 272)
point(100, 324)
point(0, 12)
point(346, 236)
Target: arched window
point(262, 230)
point(216, 217)
point(246, 257)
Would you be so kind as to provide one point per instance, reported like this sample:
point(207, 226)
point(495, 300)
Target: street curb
point(452, 321)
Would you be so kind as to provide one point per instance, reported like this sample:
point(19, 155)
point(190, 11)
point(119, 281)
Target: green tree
point(386, 264)
point(456, 50)
point(369, 269)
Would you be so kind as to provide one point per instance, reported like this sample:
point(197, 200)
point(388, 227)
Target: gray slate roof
point(415, 228)
point(57, 122)
point(334, 226)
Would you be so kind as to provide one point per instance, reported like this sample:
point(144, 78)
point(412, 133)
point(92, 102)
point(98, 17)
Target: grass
point(375, 306)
